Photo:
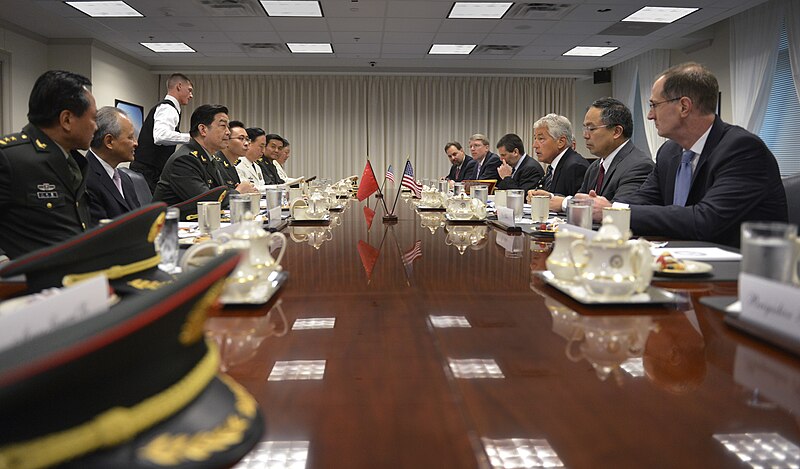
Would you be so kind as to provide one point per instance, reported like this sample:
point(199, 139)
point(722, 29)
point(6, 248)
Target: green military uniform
point(269, 171)
point(42, 196)
point(227, 170)
point(189, 172)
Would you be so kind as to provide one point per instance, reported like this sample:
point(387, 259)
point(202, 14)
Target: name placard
point(770, 304)
point(53, 309)
point(505, 216)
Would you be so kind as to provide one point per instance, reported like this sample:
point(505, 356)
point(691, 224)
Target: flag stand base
point(378, 196)
point(390, 219)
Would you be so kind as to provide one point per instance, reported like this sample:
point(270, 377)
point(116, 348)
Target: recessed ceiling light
point(660, 14)
point(589, 51)
point(454, 49)
point(482, 10)
point(167, 46)
point(310, 48)
point(292, 8)
point(105, 9)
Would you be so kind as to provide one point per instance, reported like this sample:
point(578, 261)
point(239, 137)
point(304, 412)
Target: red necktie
point(458, 171)
point(600, 176)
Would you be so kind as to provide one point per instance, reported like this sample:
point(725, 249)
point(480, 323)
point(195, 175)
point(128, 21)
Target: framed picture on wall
point(134, 111)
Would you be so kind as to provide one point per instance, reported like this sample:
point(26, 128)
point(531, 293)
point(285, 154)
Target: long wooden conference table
point(457, 355)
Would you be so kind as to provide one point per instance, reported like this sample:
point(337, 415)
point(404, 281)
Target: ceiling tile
point(405, 49)
point(357, 48)
point(348, 9)
point(363, 37)
point(408, 38)
point(404, 24)
point(305, 36)
point(461, 25)
point(417, 9)
point(509, 39)
point(348, 24)
point(201, 36)
point(299, 24)
point(253, 36)
point(242, 24)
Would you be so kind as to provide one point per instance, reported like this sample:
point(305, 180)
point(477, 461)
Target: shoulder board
point(11, 140)
point(237, 162)
point(194, 153)
point(226, 164)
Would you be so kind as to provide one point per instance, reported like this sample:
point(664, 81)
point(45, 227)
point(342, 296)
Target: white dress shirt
point(165, 120)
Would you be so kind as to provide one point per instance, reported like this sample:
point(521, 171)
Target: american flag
point(390, 174)
point(412, 254)
point(409, 181)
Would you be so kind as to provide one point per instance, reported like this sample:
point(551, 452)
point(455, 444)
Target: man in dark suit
point(487, 161)
point(710, 176)
point(463, 166)
point(621, 167)
point(192, 170)
point(552, 141)
point(111, 192)
point(42, 176)
point(518, 171)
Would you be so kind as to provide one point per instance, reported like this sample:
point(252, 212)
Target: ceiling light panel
point(589, 51)
point(660, 14)
point(310, 48)
point(451, 49)
point(480, 10)
point(106, 9)
point(292, 8)
point(167, 46)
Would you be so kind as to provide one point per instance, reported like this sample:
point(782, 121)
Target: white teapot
point(431, 198)
point(616, 267)
point(463, 207)
point(564, 264)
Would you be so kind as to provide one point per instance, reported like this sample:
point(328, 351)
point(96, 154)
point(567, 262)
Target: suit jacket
point(628, 170)
point(736, 180)
point(105, 201)
point(526, 177)
point(568, 175)
point(488, 170)
point(468, 169)
point(39, 204)
point(189, 172)
point(269, 171)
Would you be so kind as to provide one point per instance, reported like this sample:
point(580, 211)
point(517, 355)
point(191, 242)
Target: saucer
point(691, 268)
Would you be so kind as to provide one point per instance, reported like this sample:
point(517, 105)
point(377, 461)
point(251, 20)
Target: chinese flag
point(368, 184)
point(369, 214)
point(369, 256)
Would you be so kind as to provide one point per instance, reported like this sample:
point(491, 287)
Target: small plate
point(693, 268)
point(651, 296)
point(469, 221)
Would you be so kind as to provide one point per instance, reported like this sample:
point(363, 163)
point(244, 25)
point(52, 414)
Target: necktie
point(118, 182)
point(600, 175)
point(478, 174)
point(458, 171)
point(74, 172)
point(548, 178)
point(683, 179)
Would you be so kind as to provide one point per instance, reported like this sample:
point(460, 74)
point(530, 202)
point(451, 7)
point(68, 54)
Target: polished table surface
point(399, 391)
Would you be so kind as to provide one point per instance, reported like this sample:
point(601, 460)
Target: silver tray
point(651, 296)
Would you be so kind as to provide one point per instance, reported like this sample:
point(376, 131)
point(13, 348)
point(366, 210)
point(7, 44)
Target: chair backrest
point(139, 185)
point(791, 185)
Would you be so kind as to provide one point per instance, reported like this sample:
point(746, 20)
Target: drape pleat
point(335, 121)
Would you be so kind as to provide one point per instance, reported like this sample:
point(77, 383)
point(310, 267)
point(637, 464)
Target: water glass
point(274, 197)
point(240, 205)
point(167, 240)
point(619, 217)
point(770, 250)
point(540, 208)
point(458, 188)
point(480, 192)
point(579, 213)
point(515, 200)
point(444, 186)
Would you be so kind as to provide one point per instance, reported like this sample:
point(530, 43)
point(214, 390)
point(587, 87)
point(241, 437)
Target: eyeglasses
point(587, 129)
point(655, 104)
point(242, 139)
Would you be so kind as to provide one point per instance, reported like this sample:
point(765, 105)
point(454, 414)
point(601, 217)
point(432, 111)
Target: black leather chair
point(140, 186)
point(791, 185)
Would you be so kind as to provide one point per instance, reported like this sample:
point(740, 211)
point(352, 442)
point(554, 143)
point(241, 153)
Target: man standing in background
point(160, 135)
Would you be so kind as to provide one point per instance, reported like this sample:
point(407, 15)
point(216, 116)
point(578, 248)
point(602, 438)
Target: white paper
point(505, 216)
point(49, 312)
point(699, 254)
point(770, 304)
point(274, 217)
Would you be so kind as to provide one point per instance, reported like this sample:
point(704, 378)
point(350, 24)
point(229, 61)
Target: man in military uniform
point(271, 154)
point(192, 169)
point(228, 158)
point(42, 177)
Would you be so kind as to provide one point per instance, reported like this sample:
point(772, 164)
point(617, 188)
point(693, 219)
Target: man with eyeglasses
point(552, 141)
point(488, 162)
point(621, 167)
point(710, 176)
point(228, 158)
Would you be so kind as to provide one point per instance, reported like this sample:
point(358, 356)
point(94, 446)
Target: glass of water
point(515, 199)
point(579, 213)
point(770, 250)
point(167, 241)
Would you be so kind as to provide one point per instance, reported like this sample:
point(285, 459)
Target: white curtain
point(642, 69)
point(754, 53)
point(792, 21)
point(334, 121)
